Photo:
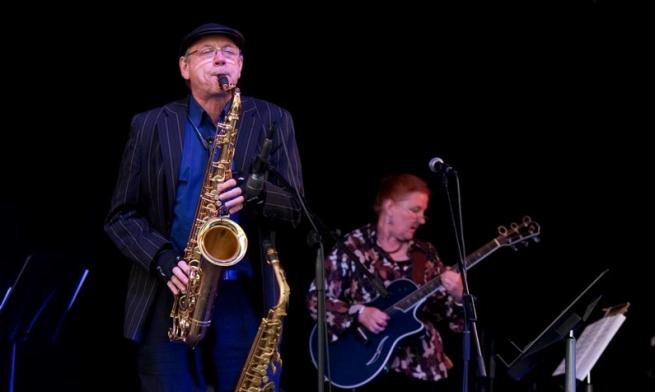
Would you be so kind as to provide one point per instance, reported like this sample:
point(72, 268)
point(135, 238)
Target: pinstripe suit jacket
point(141, 210)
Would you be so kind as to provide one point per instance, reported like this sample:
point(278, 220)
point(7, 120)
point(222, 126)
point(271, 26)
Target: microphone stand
point(315, 239)
point(470, 314)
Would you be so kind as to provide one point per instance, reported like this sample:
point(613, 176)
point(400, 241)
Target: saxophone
point(215, 240)
point(263, 351)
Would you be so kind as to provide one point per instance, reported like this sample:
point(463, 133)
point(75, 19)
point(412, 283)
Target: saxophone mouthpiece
point(271, 252)
point(224, 82)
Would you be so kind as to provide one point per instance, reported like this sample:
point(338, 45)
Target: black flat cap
point(211, 29)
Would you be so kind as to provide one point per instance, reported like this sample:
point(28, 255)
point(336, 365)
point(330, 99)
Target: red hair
point(396, 186)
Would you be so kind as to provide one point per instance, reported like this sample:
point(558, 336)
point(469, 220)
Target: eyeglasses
point(418, 212)
point(209, 52)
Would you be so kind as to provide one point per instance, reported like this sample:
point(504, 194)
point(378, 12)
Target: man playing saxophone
point(161, 192)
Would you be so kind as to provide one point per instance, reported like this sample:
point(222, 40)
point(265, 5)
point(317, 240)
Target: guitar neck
point(433, 285)
point(480, 254)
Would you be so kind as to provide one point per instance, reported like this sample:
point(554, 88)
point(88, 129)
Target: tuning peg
point(502, 230)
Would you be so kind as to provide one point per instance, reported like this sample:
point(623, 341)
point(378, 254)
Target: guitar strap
point(374, 279)
point(418, 274)
point(418, 266)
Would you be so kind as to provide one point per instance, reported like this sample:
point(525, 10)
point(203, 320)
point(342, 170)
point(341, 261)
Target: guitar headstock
point(519, 233)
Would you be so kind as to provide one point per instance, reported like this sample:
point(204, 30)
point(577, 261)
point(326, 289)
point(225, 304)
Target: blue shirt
point(195, 155)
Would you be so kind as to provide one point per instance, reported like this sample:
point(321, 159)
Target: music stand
point(574, 315)
point(592, 342)
point(36, 305)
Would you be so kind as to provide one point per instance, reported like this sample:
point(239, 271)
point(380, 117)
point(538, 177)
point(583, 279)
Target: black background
point(541, 108)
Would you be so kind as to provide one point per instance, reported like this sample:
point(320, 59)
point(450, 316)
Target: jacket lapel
point(170, 127)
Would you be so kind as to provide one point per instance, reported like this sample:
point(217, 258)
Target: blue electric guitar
point(358, 355)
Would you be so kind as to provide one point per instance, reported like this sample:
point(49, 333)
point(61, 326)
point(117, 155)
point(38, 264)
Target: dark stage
point(541, 109)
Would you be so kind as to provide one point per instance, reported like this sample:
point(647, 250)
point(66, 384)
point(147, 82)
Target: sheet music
point(591, 344)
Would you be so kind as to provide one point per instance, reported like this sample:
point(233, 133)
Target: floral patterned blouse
point(419, 356)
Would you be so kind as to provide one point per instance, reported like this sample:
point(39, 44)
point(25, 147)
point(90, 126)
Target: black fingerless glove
point(252, 198)
point(165, 261)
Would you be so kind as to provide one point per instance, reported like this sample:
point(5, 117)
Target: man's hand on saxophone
point(229, 197)
point(180, 278)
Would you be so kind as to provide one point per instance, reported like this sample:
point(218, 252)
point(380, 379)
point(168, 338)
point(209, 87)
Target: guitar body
point(355, 361)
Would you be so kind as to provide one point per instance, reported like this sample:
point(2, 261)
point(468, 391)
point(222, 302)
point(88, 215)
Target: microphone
point(437, 165)
point(255, 184)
